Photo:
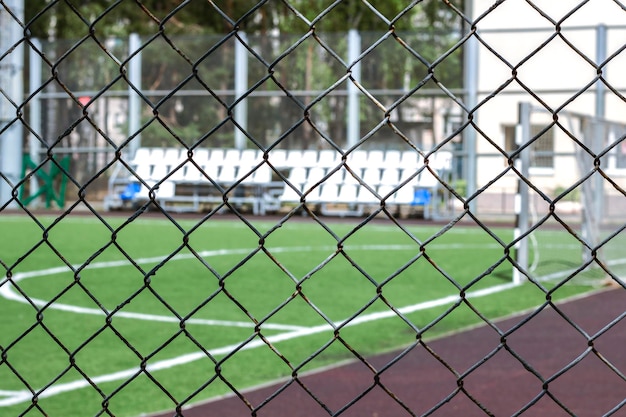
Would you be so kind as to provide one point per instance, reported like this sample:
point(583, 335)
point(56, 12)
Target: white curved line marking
point(24, 396)
point(7, 290)
point(17, 397)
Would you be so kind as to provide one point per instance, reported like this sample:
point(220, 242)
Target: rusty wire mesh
point(307, 113)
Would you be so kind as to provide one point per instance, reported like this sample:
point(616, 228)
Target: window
point(542, 148)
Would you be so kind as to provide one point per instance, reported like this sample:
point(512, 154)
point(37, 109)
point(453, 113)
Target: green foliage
point(187, 47)
point(572, 195)
point(76, 19)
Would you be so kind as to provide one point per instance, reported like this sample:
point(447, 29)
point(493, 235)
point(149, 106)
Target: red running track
point(565, 365)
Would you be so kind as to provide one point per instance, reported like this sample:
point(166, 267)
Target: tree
point(174, 61)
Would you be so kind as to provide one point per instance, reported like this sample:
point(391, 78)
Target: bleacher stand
point(327, 181)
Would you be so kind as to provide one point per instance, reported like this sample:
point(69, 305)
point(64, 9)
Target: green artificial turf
point(283, 300)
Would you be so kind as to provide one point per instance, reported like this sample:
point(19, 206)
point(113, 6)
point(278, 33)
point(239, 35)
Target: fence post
point(12, 84)
point(600, 58)
point(470, 85)
point(134, 99)
point(34, 116)
point(592, 195)
point(522, 162)
point(598, 142)
point(241, 88)
point(353, 122)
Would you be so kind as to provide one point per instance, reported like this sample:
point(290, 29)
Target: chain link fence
point(285, 115)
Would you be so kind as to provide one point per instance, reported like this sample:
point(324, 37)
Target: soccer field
point(127, 318)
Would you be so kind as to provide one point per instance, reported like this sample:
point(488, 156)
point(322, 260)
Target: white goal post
point(593, 149)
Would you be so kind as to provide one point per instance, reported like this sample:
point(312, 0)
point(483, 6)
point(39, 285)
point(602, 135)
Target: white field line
point(560, 274)
point(7, 290)
point(4, 393)
point(17, 397)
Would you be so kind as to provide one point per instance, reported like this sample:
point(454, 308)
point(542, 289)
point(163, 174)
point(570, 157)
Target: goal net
point(572, 205)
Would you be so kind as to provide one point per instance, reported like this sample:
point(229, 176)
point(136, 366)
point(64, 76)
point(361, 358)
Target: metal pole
point(470, 84)
point(34, 117)
point(12, 83)
point(600, 137)
point(353, 122)
point(601, 41)
point(241, 88)
point(134, 99)
point(522, 137)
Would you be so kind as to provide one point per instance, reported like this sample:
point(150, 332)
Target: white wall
point(559, 73)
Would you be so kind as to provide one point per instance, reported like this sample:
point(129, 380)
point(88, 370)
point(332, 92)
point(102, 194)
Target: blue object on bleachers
point(130, 191)
point(421, 197)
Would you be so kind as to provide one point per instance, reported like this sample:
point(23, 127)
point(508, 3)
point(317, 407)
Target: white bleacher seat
point(177, 172)
point(171, 155)
point(365, 196)
point(213, 165)
point(392, 158)
point(357, 159)
point(348, 189)
point(404, 196)
point(232, 157)
point(336, 177)
point(407, 173)
point(143, 164)
point(376, 159)
point(294, 157)
point(143, 170)
point(245, 173)
point(329, 193)
point(248, 161)
point(170, 160)
point(188, 172)
point(390, 175)
point(250, 157)
point(255, 175)
point(262, 175)
point(216, 156)
point(384, 190)
point(193, 174)
point(411, 159)
point(157, 155)
point(308, 158)
point(348, 193)
point(313, 195)
point(441, 161)
point(328, 158)
point(208, 170)
point(277, 157)
point(164, 190)
point(200, 155)
point(289, 195)
point(371, 176)
point(227, 174)
point(297, 176)
point(426, 180)
point(141, 155)
point(315, 175)
point(160, 170)
point(349, 179)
